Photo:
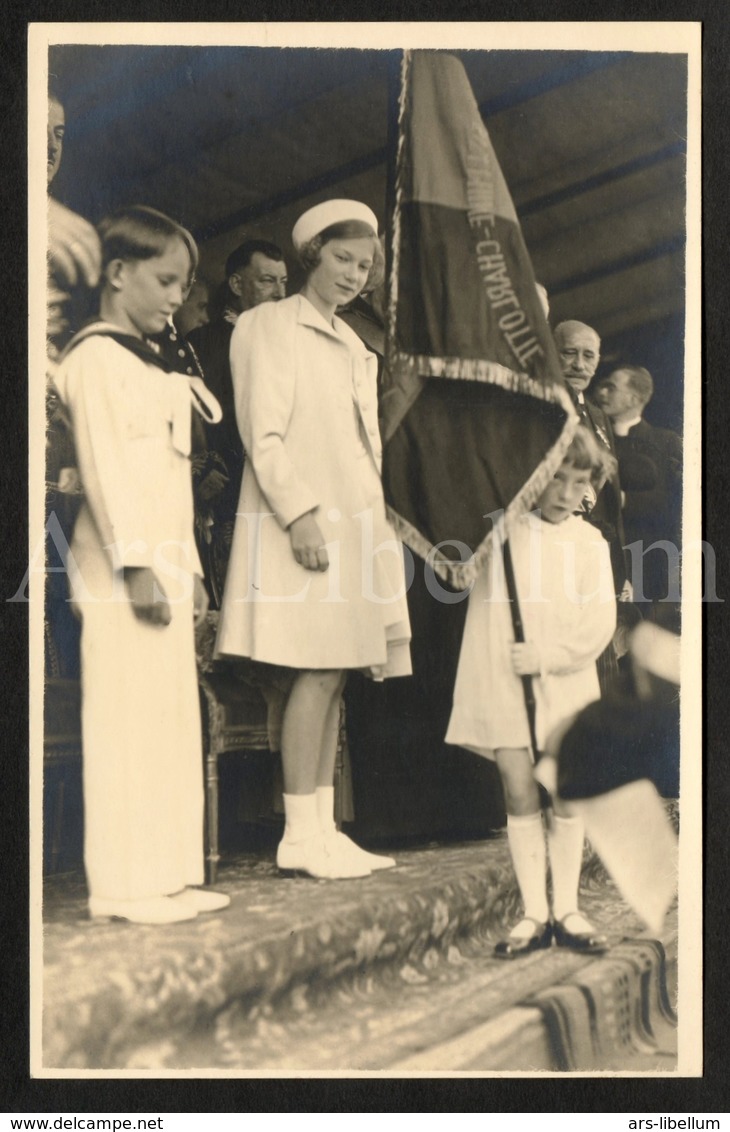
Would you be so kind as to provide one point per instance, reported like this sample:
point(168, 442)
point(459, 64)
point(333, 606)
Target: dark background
point(236, 141)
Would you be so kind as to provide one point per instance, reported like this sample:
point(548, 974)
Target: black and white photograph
point(366, 573)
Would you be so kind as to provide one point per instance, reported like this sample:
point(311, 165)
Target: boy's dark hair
point(139, 232)
point(240, 257)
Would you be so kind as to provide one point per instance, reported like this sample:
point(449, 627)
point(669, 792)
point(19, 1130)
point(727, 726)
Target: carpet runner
point(388, 973)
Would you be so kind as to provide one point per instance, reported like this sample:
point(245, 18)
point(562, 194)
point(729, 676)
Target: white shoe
point(155, 910)
point(202, 900)
point(313, 855)
point(343, 846)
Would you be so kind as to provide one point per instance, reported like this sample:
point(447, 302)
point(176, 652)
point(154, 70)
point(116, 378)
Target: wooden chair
point(234, 719)
point(235, 714)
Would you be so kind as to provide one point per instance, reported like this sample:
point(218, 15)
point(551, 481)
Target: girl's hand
point(306, 543)
point(149, 600)
point(200, 601)
point(525, 659)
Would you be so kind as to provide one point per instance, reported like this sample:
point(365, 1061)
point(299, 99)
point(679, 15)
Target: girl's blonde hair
point(586, 454)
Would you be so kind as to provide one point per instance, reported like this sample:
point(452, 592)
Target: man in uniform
point(579, 350)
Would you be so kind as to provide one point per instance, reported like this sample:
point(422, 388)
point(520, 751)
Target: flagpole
point(394, 76)
point(528, 689)
point(397, 87)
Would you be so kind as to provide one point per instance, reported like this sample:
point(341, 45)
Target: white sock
point(300, 811)
point(326, 808)
point(565, 846)
point(526, 840)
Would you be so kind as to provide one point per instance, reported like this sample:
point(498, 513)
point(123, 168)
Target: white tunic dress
point(142, 758)
point(563, 578)
point(306, 404)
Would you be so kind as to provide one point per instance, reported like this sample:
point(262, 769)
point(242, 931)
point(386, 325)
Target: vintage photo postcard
point(366, 573)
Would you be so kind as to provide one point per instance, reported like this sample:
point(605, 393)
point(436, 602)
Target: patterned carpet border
point(284, 947)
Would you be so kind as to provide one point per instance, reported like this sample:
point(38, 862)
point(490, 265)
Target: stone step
point(363, 974)
point(612, 1014)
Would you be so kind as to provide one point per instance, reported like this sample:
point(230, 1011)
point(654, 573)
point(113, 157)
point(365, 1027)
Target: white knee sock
point(301, 816)
point(565, 846)
point(326, 808)
point(526, 840)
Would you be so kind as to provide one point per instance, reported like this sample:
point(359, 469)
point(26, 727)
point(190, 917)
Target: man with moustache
point(579, 350)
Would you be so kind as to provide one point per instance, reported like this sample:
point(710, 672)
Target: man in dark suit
point(255, 273)
point(579, 350)
point(650, 466)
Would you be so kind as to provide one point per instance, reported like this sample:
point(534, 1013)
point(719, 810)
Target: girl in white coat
point(563, 580)
point(315, 579)
point(136, 583)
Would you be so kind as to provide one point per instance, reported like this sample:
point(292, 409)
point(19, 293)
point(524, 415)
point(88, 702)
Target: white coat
point(565, 589)
point(307, 411)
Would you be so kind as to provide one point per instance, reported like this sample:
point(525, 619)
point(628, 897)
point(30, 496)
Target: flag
point(476, 417)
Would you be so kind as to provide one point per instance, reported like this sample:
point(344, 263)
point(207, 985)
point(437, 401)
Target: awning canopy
point(238, 141)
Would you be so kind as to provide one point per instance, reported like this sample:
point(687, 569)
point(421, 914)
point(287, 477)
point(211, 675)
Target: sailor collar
point(203, 401)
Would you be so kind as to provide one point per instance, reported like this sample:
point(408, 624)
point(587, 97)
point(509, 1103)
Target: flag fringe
point(405, 372)
point(481, 370)
point(462, 575)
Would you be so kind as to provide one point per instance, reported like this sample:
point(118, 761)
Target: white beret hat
point(329, 212)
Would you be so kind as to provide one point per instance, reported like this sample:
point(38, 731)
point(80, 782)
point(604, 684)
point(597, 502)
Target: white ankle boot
point(313, 855)
point(155, 910)
point(339, 845)
point(342, 847)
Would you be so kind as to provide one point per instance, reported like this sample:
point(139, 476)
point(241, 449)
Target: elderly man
point(579, 350)
point(255, 273)
point(650, 466)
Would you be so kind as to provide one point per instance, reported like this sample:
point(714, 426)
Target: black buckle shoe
point(513, 946)
point(591, 942)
